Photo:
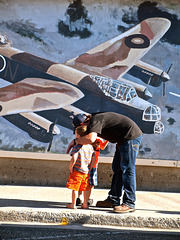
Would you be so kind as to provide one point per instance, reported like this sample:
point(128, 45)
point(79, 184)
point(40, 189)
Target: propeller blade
point(51, 133)
point(169, 68)
point(164, 88)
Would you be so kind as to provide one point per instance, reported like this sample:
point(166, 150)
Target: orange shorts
point(78, 181)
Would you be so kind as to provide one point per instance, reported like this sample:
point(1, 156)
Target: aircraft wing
point(116, 56)
point(36, 94)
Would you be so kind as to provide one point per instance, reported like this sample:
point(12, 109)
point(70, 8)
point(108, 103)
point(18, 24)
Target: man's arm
point(87, 139)
point(72, 162)
point(71, 145)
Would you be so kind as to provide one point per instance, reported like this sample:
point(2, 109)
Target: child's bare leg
point(79, 194)
point(86, 197)
point(73, 204)
point(90, 190)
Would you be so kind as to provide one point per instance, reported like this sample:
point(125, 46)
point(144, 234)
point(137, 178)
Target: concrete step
point(31, 204)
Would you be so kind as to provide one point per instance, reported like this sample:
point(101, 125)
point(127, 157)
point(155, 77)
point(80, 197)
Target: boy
point(99, 144)
point(82, 161)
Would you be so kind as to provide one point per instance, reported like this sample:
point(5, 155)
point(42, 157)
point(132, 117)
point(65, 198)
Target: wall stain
point(25, 29)
point(169, 109)
point(77, 22)
point(171, 121)
point(147, 149)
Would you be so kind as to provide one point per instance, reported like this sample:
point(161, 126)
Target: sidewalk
point(159, 210)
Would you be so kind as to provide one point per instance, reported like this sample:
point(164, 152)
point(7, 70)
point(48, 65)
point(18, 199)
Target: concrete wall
point(47, 169)
point(32, 26)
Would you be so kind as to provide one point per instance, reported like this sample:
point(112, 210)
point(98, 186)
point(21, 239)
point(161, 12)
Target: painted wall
point(62, 30)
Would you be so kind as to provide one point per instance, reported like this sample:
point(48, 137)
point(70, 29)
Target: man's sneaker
point(123, 209)
point(104, 204)
point(78, 202)
point(90, 202)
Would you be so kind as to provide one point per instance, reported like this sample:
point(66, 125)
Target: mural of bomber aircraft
point(40, 94)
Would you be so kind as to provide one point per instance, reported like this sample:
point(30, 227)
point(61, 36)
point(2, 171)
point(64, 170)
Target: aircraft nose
point(165, 76)
point(56, 130)
point(147, 94)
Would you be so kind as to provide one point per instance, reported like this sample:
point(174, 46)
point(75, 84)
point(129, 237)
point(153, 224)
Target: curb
point(64, 218)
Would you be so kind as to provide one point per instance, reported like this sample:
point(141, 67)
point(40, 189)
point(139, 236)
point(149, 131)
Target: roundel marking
point(137, 41)
point(2, 63)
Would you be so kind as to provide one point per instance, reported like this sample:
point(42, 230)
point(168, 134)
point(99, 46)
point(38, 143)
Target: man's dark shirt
point(114, 127)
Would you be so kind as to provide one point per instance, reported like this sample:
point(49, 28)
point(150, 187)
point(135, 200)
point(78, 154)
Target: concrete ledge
point(90, 218)
point(38, 204)
point(66, 157)
point(27, 168)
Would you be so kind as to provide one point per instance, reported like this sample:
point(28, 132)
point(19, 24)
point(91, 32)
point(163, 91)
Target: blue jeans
point(124, 177)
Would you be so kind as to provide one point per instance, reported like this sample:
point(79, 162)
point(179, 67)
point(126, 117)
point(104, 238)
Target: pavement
point(39, 204)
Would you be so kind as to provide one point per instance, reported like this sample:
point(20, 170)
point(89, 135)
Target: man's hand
point(72, 143)
point(96, 143)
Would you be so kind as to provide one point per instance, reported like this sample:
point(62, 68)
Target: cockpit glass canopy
point(115, 89)
point(152, 113)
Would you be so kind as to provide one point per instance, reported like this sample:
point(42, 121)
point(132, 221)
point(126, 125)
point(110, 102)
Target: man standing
point(119, 129)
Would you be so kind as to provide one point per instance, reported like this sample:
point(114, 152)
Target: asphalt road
point(76, 232)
